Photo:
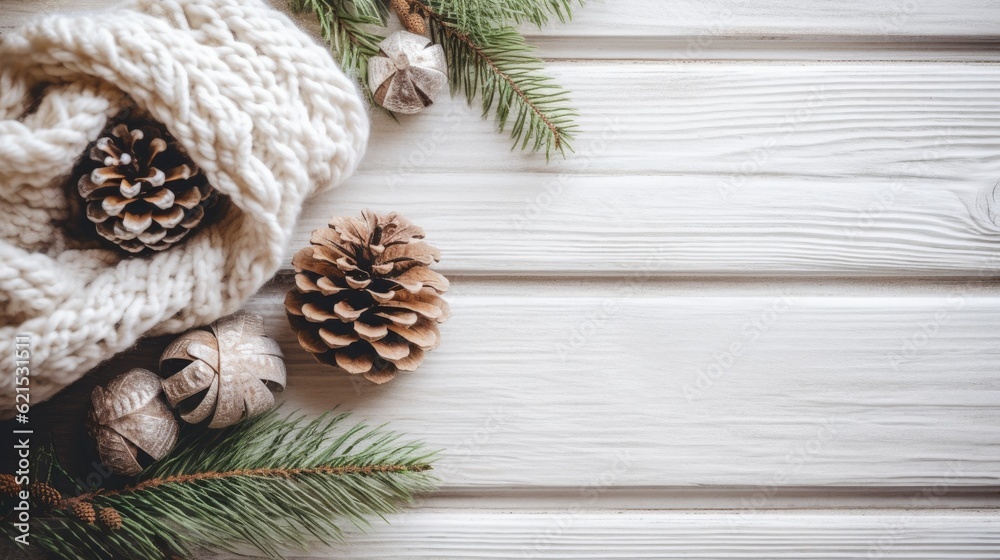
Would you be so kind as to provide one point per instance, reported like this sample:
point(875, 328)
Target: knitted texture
point(255, 103)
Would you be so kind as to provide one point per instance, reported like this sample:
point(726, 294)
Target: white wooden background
point(755, 315)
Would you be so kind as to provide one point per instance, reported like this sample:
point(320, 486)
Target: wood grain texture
point(577, 534)
point(616, 535)
point(774, 49)
point(710, 169)
point(718, 308)
point(539, 223)
point(633, 388)
point(703, 20)
point(829, 121)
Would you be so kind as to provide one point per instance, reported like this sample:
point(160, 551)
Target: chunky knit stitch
point(257, 105)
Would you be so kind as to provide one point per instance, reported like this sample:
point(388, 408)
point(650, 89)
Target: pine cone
point(409, 17)
point(364, 298)
point(142, 191)
point(110, 518)
point(415, 23)
point(45, 495)
point(84, 511)
point(9, 486)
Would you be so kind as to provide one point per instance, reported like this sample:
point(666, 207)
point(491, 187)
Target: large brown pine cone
point(9, 486)
point(84, 511)
point(110, 518)
point(45, 495)
point(364, 298)
point(142, 191)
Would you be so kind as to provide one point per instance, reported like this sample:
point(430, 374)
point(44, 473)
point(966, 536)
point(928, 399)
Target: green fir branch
point(500, 68)
point(479, 16)
point(271, 484)
point(487, 58)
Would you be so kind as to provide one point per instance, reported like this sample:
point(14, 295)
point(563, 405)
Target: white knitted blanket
point(261, 108)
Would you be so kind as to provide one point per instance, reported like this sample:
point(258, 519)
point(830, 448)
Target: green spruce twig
point(271, 484)
point(498, 66)
point(474, 16)
point(487, 58)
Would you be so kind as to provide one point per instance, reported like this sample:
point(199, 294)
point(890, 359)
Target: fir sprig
point(271, 484)
point(473, 16)
point(496, 65)
point(487, 58)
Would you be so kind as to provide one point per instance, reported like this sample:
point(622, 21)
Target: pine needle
point(271, 484)
point(487, 58)
point(499, 67)
point(476, 16)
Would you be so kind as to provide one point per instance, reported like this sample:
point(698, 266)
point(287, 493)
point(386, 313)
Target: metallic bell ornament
point(408, 72)
point(227, 373)
point(131, 422)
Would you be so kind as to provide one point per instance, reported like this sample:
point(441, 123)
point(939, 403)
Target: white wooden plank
point(704, 20)
point(733, 121)
point(536, 223)
point(716, 498)
point(820, 169)
point(772, 49)
point(15, 12)
point(621, 535)
point(633, 388)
